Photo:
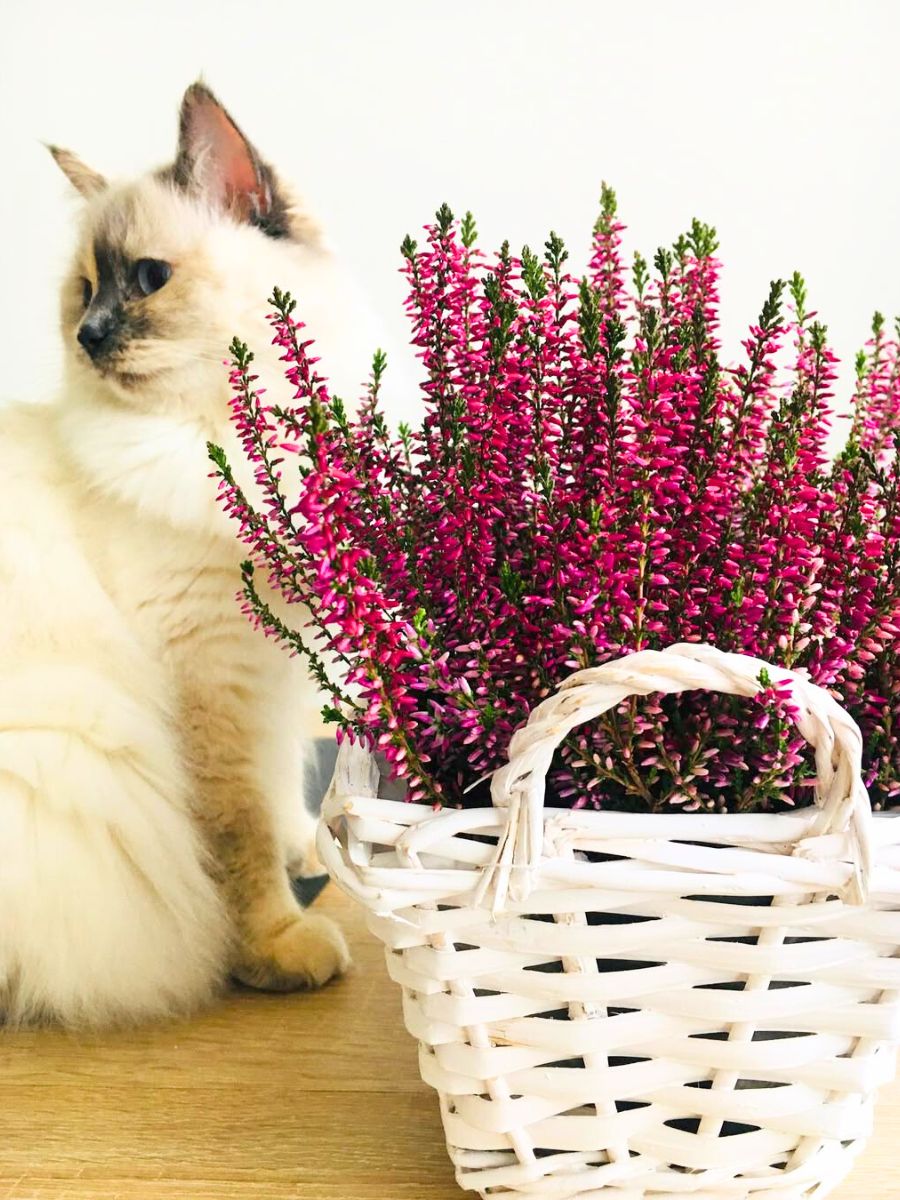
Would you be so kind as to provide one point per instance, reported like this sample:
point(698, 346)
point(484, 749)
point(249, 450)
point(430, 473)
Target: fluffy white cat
point(150, 740)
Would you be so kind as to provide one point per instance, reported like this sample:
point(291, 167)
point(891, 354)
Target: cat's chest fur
point(172, 586)
point(147, 521)
point(177, 592)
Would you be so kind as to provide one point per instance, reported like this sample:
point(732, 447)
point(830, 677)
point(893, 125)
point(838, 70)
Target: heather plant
point(588, 479)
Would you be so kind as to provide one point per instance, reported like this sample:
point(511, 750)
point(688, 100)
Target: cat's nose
point(95, 331)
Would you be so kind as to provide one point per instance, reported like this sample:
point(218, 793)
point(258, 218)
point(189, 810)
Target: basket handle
point(518, 787)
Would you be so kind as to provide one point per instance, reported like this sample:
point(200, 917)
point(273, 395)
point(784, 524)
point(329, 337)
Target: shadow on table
point(319, 771)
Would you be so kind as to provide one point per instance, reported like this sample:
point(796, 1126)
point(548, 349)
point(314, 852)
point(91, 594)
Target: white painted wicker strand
point(635, 1006)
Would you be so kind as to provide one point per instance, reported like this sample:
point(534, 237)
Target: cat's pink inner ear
point(225, 163)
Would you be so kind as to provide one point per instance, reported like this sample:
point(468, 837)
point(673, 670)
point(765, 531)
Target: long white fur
point(112, 547)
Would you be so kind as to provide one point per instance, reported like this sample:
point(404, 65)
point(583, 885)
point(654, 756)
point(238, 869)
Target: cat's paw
point(303, 952)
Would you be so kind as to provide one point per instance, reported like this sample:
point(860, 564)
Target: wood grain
point(263, 1099)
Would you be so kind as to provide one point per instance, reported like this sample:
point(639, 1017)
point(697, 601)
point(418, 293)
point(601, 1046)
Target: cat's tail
point(107, 911)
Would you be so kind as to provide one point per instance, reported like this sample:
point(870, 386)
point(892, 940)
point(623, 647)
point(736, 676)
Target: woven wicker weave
point(633, 1006)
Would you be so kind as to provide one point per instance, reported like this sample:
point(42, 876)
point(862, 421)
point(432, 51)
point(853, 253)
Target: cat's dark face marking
point(140, 300)
point(168, 266)
point(113, 314)
point(120, 317)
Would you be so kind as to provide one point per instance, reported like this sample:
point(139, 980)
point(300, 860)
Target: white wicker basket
point(706, 1011)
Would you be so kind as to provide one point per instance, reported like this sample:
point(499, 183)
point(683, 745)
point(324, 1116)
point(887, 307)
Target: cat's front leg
point(278, 945)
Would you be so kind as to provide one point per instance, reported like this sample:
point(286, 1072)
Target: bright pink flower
point(588, 479)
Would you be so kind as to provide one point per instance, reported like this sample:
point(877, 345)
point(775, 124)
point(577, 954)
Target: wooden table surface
point(265, 1098)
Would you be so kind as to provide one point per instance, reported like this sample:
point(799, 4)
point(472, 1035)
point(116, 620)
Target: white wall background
point(777, 121)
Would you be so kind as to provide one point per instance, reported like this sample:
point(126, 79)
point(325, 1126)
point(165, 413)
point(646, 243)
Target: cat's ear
point(217, 161)
point(82, 177)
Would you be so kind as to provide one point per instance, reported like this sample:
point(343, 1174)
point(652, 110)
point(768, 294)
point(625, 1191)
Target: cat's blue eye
point(86, 292)
point(151, 274)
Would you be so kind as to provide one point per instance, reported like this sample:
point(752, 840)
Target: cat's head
point(170, 266)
